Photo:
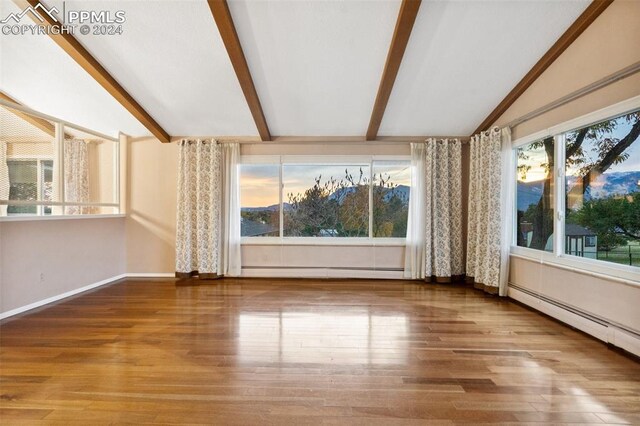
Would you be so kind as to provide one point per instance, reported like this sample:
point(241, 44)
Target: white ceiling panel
point(39, 74)
point(316, 64)
point(171, 59)
point(464, 57)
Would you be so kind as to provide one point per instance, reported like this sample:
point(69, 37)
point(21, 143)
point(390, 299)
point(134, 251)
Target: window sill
point(323, 241)
point(60, 217)
point(624, 274)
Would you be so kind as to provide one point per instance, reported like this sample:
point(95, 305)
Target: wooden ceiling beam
point(224, 22)
point(570, 35)
point(402, 32)
point(78, 53)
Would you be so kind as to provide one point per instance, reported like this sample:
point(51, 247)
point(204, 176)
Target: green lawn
point(621, 254)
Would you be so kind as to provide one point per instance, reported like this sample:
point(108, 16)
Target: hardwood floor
point(305, 352)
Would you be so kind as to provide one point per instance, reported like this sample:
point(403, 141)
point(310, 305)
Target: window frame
point(559, 258)
point(350, 160)
point(58, 148)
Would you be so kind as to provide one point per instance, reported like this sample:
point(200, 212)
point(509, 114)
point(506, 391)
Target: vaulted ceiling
point(316, 65)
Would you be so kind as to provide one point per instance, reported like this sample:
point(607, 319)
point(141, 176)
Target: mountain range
point(605, 185)
point(401, 191)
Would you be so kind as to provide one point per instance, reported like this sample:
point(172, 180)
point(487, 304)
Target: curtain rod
point(611, 78)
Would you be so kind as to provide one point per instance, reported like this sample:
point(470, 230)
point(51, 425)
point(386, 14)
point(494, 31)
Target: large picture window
point(585, 185)
point(362, 199)
point(603, 191)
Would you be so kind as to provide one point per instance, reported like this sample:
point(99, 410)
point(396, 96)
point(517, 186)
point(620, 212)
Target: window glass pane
point(603, 191)
point(259, 200)
point(534, 195)
point(391, 188)
point(23, 185)
point(326, 200)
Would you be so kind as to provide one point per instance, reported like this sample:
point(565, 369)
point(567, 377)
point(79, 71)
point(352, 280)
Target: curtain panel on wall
point(208, 216)
point(4, 177)
point(76, 175)
point(489, 219)
point(434, 249)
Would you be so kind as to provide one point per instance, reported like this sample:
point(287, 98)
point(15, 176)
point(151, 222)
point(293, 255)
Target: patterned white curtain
point(4, 177)
point(76, 175)
point(434, 247)
point(489, 222)
point(230, 253)
point(207, 229)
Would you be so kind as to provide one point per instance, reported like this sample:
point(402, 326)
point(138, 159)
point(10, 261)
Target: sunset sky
point(259, 182)
point(538, 157)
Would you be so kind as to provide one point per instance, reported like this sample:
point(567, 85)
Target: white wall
point(334, 261)
point(41, 259)
point(608, 45)
point(605, 309)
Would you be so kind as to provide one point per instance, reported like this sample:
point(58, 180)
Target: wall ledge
point(621, 274)
point(69, 217)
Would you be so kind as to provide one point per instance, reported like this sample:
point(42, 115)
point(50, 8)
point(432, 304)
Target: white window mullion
point(58, 167)
point(559, 194)
point(281, 195)
point(39, 209)
point(371, 199)
point(116, 175)
point(514, 207)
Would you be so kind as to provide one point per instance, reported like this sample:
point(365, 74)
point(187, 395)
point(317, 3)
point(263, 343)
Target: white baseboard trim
point(321, 273)
point(150, 274)
point(58, 297)
point(601, 330)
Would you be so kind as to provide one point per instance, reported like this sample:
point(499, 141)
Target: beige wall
point(69, 253)
point(151, 201)
point(101, 172)
point(19, 149)
point(360, 148)
point(613, 301)
point(608, 45)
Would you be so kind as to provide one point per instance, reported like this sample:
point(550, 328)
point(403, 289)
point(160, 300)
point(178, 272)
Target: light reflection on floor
point(354, 337)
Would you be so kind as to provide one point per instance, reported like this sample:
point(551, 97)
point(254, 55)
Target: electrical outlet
point(41, 277)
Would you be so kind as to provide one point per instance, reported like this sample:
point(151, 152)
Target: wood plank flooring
point(305, 352)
